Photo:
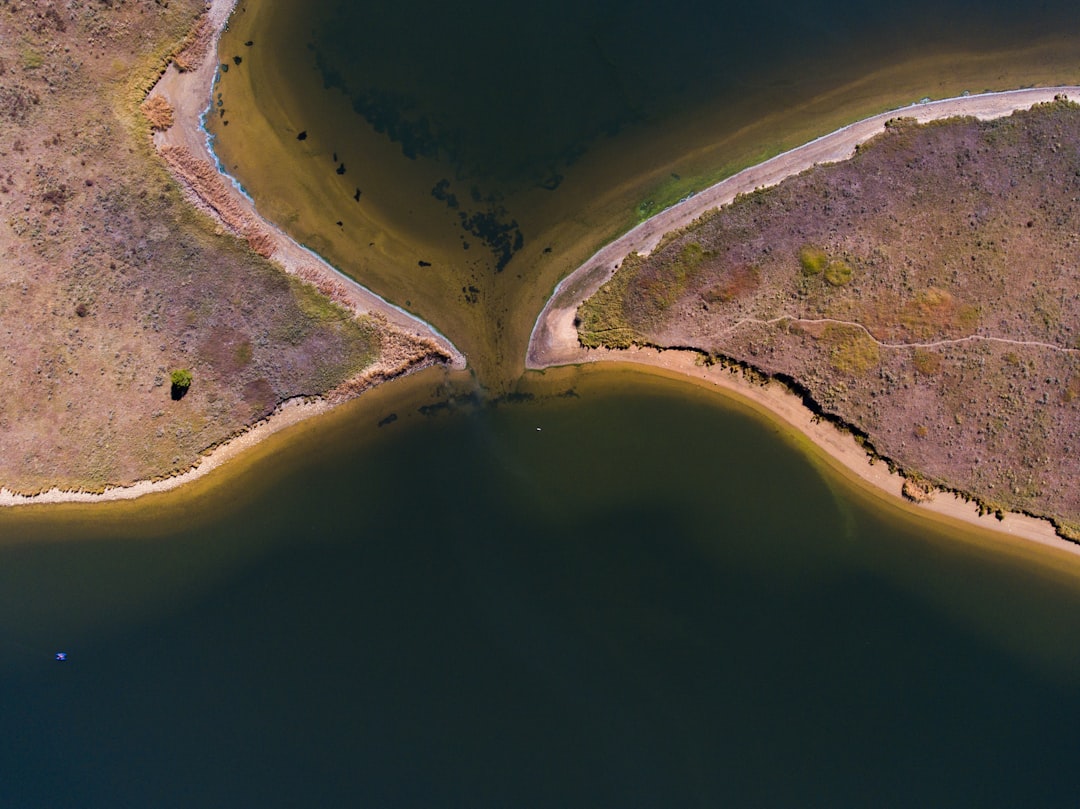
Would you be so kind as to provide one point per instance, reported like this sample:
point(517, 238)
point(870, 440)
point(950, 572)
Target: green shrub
point(838, 272)
point(812, 259)
point(181, 378)
point(31, 59)
point(181, 382)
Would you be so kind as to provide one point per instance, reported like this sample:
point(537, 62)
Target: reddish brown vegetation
point(158, 112)
point(332, 288)
point(212, 189)
point(736, 283)
point(109, 278)
point(194, 47)
point(953, 342)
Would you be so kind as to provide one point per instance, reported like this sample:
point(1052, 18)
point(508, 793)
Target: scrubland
point(110, 280)
point(925, 293)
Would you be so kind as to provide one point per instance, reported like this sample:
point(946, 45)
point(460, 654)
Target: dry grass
point(158, 112)
point(865, 282)
point(110, 279)
point(195, 45)
point(211, 188)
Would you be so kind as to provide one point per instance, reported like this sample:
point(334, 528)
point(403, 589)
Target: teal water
point(652, 600)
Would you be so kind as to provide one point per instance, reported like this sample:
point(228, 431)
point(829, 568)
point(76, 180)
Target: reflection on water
point(649, 599)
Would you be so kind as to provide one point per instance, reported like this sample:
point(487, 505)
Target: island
point(913, 284)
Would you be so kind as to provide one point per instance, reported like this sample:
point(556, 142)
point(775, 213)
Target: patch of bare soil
point(110, 280)
point(925, 292)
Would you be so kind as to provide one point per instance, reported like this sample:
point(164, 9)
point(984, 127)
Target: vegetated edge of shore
point(183, 89)
point(554, 340)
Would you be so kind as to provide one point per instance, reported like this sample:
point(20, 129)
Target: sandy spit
point(188, 93)
point(554, 339)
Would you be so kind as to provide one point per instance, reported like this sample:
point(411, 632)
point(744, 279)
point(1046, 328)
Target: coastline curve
point(186, 148)
point(554, 339)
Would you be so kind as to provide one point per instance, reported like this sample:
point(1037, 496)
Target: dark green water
point(515, 92)
point(652, 601)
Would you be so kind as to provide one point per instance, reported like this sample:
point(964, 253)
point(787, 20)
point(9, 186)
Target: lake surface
point(654, 599)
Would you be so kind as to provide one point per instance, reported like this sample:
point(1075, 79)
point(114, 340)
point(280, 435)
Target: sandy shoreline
point(188, 93)
point(554, 338)
point(288, 413)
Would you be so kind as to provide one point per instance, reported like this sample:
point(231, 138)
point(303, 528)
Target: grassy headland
point(923, 292)
point(112, 281)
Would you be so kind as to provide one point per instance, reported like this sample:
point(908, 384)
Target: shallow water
point(461, 609)
point(460, 158)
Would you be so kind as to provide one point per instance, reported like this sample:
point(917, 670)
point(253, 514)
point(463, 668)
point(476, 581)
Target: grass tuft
point(812, 260)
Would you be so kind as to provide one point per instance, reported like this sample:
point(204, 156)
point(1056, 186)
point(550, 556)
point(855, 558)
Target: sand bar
point(554, 339)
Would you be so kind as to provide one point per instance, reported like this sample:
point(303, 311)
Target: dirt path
point(554, 340)
point(971, 338)
point(185, 142)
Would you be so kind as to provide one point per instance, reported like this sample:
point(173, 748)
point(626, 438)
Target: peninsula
point(921, 295)
point(118, 277)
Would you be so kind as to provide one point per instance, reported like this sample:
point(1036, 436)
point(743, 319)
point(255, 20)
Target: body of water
point(624, 594)
point(460, 159)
